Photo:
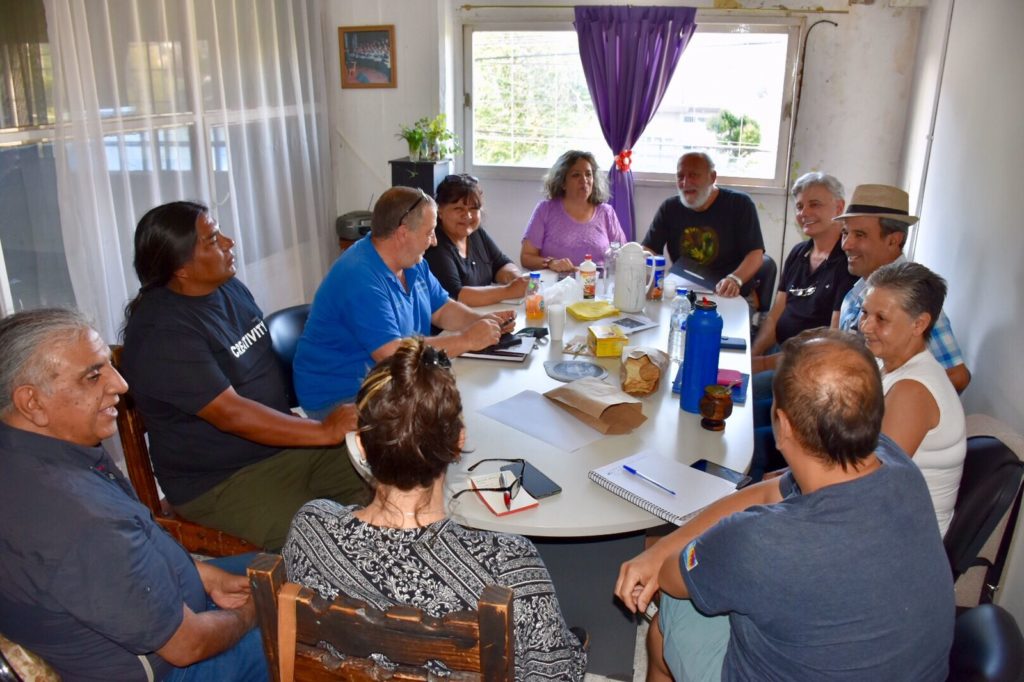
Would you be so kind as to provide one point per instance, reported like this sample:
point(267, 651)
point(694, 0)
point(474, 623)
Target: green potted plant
point(440, 141)
point(430, 139)
point(414, 136)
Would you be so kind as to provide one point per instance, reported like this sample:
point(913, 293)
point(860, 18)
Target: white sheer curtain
point(223, 101)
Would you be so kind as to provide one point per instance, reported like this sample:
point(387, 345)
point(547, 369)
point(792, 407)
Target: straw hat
point(879, 201)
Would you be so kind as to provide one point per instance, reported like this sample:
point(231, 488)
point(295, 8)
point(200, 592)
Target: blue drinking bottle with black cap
point(700, 356)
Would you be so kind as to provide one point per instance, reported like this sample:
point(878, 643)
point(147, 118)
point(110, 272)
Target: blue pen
point(647, 478)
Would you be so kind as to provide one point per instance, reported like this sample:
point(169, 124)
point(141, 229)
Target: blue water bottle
point(700, 357)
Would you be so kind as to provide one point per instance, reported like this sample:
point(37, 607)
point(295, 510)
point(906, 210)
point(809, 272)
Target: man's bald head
point(829, 387)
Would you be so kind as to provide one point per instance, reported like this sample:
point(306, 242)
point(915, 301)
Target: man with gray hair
point(814, 277)
point(711, 233)
point(875, 226)
point(378, 292)
point(88, 580)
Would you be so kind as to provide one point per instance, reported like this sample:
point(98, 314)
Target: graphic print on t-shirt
point(699, 244)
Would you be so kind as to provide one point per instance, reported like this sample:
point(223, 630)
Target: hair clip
point(432, 357)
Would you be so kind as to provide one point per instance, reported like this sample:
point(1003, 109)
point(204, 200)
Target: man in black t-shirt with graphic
point(708, 230)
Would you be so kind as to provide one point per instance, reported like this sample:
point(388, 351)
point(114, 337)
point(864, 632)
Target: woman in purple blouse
point(574, 220)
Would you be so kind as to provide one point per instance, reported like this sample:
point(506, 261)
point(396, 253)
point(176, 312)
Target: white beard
point(700, 200)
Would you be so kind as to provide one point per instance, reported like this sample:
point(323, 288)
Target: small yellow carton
point(606, 340)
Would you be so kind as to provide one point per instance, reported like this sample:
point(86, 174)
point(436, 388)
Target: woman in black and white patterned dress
point(402, 548)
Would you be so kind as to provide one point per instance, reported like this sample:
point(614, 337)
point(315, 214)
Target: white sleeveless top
point(940, 456)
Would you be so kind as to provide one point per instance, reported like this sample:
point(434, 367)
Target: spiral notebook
point(648, 488)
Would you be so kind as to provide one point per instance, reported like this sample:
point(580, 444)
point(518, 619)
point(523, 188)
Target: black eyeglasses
point(411, 208)
point(432, 357)
point(510, 490)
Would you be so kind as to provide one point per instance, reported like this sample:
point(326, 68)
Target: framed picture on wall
point(367, 56)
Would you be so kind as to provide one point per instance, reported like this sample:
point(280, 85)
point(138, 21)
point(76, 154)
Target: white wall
point(851, 121)
point(969, 213)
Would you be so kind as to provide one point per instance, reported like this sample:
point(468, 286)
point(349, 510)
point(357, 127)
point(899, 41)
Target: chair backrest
point(285, 327)
point(987, 646)
point(764, 283)
point(990, 483)
point(194, 537)
point(474, 645)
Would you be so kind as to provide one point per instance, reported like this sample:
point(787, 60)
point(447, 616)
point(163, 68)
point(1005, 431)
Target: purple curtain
point(629, 55)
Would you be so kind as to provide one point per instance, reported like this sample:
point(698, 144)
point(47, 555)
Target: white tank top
point(940, 456)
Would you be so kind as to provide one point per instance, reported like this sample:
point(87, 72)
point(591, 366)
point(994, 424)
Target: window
point(34, 270)
point(527, 101)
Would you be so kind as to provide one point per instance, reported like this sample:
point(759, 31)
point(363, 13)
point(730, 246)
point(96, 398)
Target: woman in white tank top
point(923, 413)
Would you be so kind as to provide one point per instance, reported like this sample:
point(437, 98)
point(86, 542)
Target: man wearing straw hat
point(875, 227)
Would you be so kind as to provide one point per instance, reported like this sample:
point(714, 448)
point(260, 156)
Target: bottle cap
point(534, 275)
point(680, 291)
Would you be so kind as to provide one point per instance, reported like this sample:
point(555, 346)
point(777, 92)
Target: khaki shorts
point(258, 502)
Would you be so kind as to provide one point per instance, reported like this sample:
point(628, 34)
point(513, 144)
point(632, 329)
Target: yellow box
point(606, 340)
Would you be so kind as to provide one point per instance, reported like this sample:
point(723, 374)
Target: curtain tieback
point(623, 160)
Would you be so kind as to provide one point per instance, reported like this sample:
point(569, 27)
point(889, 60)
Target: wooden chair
point(474, 645)
point(192, 536)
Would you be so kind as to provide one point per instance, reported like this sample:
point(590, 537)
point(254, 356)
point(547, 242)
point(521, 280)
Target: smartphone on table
point(534, 482)
point(741, 480)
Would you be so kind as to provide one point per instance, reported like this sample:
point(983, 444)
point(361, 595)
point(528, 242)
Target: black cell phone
point(534, 482)
point(734, 343)
point(506, 341)
point(741, 480)
point(535, 332)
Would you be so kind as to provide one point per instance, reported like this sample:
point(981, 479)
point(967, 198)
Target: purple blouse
point(558, 235)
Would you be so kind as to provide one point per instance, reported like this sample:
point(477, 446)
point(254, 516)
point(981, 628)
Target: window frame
point(720, 22)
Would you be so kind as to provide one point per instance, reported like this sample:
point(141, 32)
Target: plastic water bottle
point(676, 332)
point(609, 268)
point(700, 356)
point(534, 300)
point(588, 277)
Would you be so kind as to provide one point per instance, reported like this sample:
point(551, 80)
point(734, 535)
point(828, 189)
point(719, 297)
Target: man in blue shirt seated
point(834, 570)
point(378, 292)
point(88, 580)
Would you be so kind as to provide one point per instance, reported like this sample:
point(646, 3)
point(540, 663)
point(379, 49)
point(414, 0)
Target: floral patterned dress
point(440, 568)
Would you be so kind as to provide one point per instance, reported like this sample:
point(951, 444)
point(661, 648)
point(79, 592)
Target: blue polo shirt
point(360, 306)
point(88, 580)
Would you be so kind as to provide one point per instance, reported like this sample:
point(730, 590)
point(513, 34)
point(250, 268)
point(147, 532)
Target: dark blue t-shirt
point(181, 352)
point(88, 580)
point(850, 582)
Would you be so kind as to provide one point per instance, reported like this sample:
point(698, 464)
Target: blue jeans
point(244, 662)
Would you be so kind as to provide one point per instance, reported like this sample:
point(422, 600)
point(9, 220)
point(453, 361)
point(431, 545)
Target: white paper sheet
point(535, 415)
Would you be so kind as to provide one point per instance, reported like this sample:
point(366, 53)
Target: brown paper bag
point(599, 405)
point(642, 368)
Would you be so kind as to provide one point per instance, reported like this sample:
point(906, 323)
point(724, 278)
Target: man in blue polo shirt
point(88, 580)
point(833, 571)
point(380, 291)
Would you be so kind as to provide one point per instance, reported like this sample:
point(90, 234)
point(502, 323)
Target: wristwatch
point(733, 277)
point(547, 261)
